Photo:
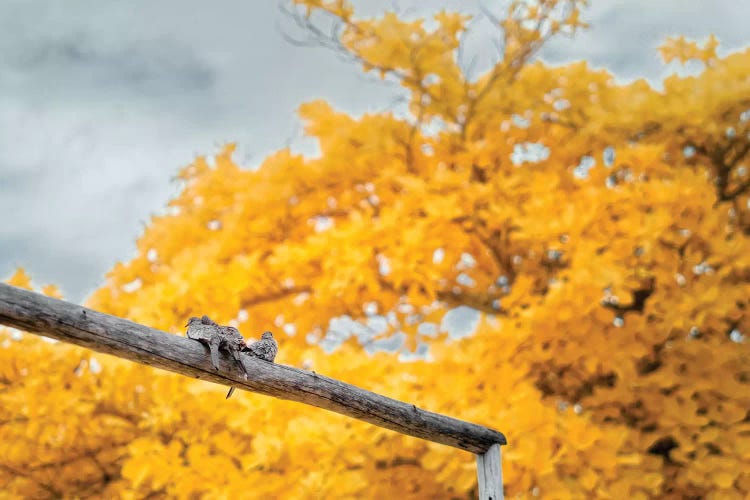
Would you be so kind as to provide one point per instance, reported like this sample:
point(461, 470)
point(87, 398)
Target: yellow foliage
point(20, 279)
point(612, 274)
point(684, 50)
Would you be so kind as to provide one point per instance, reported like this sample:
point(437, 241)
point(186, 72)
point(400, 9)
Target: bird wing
point(213, 345)
point(255, 348)
point(200, 332)
point(238, 359)
point(232, 338)
point(263, 349)
point(232, 333)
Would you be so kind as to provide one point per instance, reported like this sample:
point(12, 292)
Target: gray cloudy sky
point(101, 102)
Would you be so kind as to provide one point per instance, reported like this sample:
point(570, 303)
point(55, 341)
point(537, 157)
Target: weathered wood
point(490, 474)
point(72, 323)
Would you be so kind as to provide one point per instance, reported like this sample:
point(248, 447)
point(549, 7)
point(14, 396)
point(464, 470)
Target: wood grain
point(100, 332)
point(490, 474)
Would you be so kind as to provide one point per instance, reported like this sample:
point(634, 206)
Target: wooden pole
point(72, 323)
point(490, 474)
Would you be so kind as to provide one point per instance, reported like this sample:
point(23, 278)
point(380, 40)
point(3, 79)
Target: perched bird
point(217, 337)
point(266, 349)
point(232, 341)
point(207, 332)
point(227, 338)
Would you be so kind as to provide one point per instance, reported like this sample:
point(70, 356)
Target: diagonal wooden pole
point(101, 332)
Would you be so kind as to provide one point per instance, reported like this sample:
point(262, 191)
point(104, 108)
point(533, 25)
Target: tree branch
point(68, 322)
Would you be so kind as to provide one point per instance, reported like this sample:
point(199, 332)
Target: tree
point(600, 229)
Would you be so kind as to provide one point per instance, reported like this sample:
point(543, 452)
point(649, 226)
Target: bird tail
point(229, 394)
point(214, 348)
point(238, 359)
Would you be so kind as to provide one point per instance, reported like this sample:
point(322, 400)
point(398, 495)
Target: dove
point(232, 341)
point(207, 332)
point(217, 337)
point(266, 349)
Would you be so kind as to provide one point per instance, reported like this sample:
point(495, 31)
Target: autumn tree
point(598, 234)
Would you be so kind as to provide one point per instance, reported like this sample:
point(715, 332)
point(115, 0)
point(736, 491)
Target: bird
point(217, 337)
point(266, 349)
point(233, 341)
point(206, 331)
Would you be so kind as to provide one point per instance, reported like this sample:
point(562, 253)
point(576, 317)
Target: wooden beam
point(101, 332)
point(490, 474)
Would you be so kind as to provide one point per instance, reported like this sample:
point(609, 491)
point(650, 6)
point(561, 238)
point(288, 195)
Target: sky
point(102, 102)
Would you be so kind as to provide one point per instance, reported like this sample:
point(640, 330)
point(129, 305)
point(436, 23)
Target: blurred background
point(554, 243)
point(102, 102)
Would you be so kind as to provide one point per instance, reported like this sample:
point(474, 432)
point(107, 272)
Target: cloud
point(624, 36)
point(75, 65)
point(102, 102)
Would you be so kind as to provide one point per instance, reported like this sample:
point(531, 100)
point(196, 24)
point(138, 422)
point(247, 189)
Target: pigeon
point(266, 349)
point(232, 341)
point(207, 332)
point(217, 337)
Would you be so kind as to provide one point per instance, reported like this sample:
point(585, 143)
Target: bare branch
point(331, 41)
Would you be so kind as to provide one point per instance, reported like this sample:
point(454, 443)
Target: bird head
point(267, 336)
point(193, 321)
